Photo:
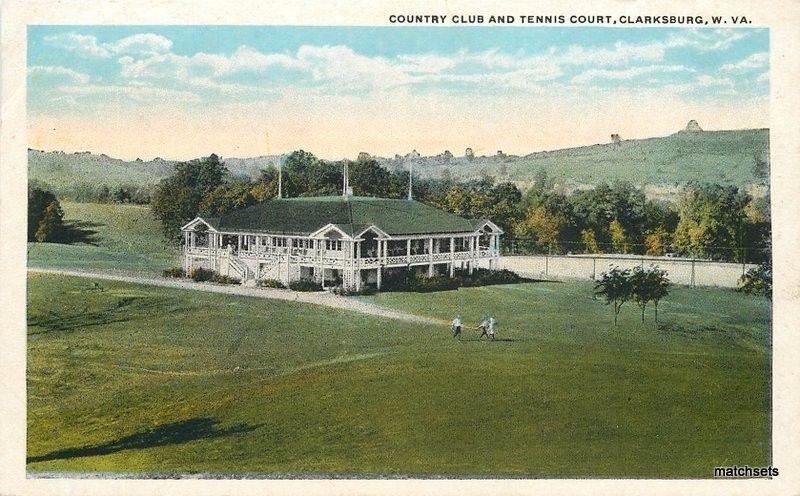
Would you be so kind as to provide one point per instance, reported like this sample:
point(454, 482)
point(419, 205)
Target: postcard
point(441, 248)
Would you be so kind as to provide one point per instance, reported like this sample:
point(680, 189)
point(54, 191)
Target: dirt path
point(320, 298)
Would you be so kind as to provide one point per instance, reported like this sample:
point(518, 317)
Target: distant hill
point(724, 157)
point(67, 173)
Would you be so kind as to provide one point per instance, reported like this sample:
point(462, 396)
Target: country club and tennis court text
point(575, 19)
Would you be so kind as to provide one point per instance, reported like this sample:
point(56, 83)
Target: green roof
point(305, 215)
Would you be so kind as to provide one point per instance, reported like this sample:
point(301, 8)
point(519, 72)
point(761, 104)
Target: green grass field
point(128, 239)
point(134, 378)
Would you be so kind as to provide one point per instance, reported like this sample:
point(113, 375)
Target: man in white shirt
point(456, 324)
point(490, 326)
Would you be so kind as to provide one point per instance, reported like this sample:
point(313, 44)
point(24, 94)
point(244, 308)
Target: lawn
point(134, 378)
point(127, 239)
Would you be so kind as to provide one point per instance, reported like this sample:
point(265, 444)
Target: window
point(301, 243)
point(333, 244)
point(279, 242)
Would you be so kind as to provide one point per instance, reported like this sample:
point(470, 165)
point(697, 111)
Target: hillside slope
point(66, 173)
point(724, 157)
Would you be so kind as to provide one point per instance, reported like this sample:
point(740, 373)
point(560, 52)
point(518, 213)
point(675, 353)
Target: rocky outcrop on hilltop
point(693, 127)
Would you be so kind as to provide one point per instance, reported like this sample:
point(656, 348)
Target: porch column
point(238, 242)
point(408, 251)
point(185, 240)
point(380, 273)
point(288, 259)
point(452, 256)
point(472, 243)
point(430, 257)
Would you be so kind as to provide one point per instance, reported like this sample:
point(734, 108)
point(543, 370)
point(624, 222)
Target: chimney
point(346, 190)
point(410, 196)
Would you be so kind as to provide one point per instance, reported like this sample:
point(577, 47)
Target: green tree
point(45, 217)
point(619, 239)
point(589, 241)
point(368, 178)
point(712, 221)
point(640, 293)
point(757, 281)
point(266, 186)
point(657, 284)
point(177, 198)
point(225, 198)
point(542, 227)
point(296, 172)
point(656, 242)
point(615, 287)
point(51, 225)
point(104, 194)
point(38, 201)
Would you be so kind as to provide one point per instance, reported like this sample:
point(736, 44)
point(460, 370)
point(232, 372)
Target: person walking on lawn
point(490, 328)
point(456, 325)
point(483, 326)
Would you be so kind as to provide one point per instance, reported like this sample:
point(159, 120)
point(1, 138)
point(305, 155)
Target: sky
point(181, 92)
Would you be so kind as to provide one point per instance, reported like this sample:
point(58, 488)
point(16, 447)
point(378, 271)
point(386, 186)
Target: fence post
point(692, 271)
point(744, 261)
point(594, 268)
point(546, 263)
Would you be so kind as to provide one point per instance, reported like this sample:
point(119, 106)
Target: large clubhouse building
point(338, 241)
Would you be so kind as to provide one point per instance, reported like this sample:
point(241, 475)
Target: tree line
point(707, 221)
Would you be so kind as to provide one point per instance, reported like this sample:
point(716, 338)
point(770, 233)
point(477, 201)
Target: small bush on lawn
point(220, 279)
point(174, 272)
point(485, 277)
point(305, 285)
point(367, 290)
point(424, 284)
point(270, 283)
point(757, 281)
point(202, 275)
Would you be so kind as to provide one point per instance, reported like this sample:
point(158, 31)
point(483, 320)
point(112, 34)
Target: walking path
point(317, 298)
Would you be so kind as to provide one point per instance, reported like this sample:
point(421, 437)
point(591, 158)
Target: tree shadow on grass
point(78, 231)
point(180, 432)
point(496, 340)
point(122, 310)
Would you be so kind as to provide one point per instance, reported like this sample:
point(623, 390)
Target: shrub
point(366, 290)
point(485, 277)
point(174, 272)
point(757, 281)
point(270, 283)
point(220, 279)
point(201, 275)
point(305, 285)
point(424, 284)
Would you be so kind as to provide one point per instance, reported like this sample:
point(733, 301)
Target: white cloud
point(143, 43)
point(40, 71)
point(89, 46)
point(82, 44)
point(621, 53)
point(706, 80)
point(137, 93)
point(763, 77)
point(706, 40)
point(754, 61)
point(630, 73)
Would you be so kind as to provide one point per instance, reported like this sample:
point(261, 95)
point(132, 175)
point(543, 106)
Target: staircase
point(243, 270)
